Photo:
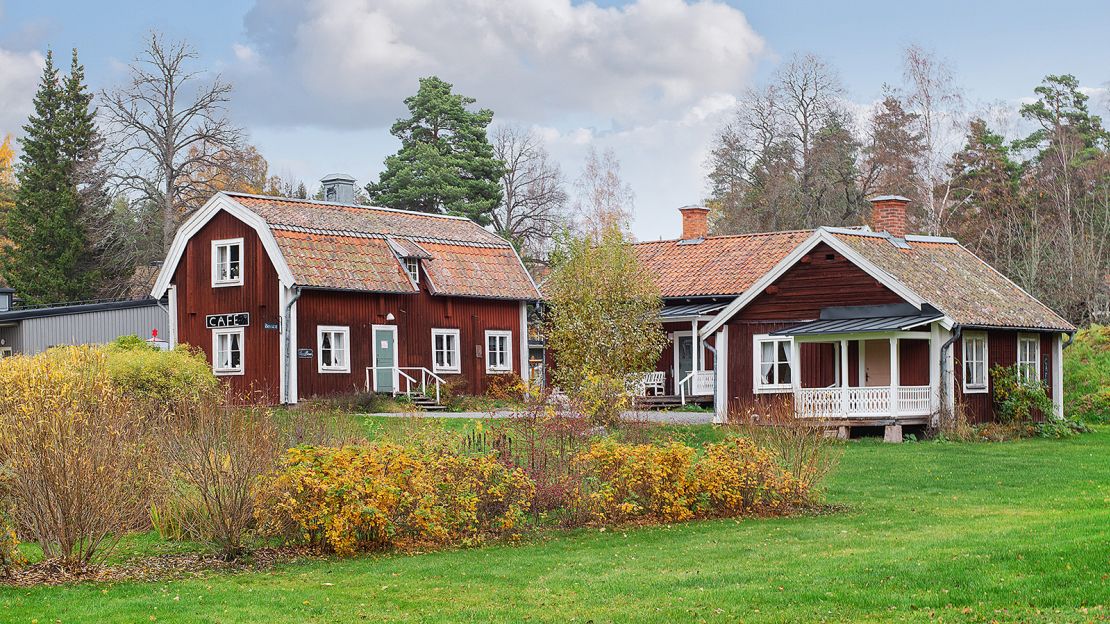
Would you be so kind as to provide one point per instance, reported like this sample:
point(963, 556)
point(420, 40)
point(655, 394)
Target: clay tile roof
point(957, 282)
point(339, 246)
point(718, 265)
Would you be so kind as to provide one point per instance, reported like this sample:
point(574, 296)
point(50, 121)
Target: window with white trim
point(499, 351)
point(771, 359)
point(445, 351)
point(975, 362)
point(333, 345)
point(227, 351)
point(412, 267)
point(227, 262)
point(1029, 358)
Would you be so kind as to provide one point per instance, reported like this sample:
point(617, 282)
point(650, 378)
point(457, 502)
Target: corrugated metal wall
point(38, 334)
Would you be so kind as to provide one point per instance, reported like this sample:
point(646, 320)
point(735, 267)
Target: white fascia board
point(192, 225)
point(821, 235)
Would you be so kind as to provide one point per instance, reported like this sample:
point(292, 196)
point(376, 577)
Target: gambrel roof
point(333, 246)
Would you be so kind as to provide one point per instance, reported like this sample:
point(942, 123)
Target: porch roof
point(863, 319)
point(692, 309)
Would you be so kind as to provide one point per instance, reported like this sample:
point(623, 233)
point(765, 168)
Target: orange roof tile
point(718, 265)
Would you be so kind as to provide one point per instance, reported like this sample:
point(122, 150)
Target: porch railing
point(701, 383)
point(426, 378)
point(868, 402)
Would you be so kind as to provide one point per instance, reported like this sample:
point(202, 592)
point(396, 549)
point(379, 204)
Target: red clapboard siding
point(258, 296)
point(1001, 351)
point(415, 316)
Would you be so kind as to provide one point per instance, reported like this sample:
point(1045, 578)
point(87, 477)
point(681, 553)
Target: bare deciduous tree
point(534, 203)
point(603, 198)
point(166, 123)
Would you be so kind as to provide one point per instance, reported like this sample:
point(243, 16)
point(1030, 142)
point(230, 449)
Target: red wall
point(1001, 351)
point(415, 316)
point(258, 295)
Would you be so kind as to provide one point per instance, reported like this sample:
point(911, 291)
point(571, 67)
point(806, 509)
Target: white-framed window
point(227, 351)
point(1029, 358)
point(771, 361)
point(499, 351)
point(412, 267)
point(333, 343)
point(445, 351)
point(227, 262)
point(975, 362)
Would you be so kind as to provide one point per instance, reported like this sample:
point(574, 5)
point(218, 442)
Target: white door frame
point(374, 353)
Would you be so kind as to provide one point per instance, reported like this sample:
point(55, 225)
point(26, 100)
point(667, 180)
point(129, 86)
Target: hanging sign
point(304, 354)
point(237, 319)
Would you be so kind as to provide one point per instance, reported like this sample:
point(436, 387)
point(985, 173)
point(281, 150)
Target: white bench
point(652, 382)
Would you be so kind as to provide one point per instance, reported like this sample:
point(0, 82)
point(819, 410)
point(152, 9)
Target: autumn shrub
point(165, 377)
point(1087, 375)
point(1017, 401)
point(801, 447)
point(10, 557)
point(72, 443)
point(626, 482)
point(736, 477)
point(357, 499)
point(216, 452)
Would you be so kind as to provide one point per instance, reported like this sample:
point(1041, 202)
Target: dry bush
point(954, 424)
point(10, 557)
point(216, 451)
point(72, 443)
point(802, 447)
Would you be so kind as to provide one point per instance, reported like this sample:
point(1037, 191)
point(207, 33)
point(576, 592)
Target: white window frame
point(216, 245)
point(758, 387)
point(229, 331)
point(507, 367)
point(456, 352)
point(341, 330)
point(413, 270)
point(972, 388)
point(1021, 365)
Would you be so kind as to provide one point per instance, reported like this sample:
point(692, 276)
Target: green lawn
point(928, 532)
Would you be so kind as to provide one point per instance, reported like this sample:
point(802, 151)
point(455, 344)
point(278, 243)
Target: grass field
point(1006, 532)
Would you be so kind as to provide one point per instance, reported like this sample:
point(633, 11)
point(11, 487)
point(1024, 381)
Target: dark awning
point(861, 319)
point(691, 309)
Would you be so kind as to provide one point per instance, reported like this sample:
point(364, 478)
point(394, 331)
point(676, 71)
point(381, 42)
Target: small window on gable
point(412, 267)
point(975, 362)
point(771, 359)
point(227, 351)
point(333, 344)
point(499, 351)
point(227, 262)
point(1029, 358)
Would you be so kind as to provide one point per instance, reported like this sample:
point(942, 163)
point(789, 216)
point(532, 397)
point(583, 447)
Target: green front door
point(684, 348)
point(385, 358)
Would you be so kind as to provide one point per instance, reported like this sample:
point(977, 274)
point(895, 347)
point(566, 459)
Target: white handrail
point(697, 376)
point(409, 379)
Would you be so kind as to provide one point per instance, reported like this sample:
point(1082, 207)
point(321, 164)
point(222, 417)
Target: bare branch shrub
point(72, 443)
point(801, 446)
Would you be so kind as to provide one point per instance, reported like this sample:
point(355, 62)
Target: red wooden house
point(858, 326)
point(296, 298)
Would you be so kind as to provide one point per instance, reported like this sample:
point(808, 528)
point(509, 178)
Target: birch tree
point(534, 203)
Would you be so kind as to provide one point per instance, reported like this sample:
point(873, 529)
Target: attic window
point(412, 267)
point(830, 257)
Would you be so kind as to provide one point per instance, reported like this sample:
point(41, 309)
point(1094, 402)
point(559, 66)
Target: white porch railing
point(701, 383)
point(410, 381)
point(869, 402)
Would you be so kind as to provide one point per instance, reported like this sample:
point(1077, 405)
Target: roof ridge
point(318, 202)
point(386, 235)
point(725, 236)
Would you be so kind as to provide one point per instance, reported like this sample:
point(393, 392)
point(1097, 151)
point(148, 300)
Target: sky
point(319, 82)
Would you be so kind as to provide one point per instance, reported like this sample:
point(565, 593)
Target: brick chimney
point(695, 222)
point(888, 214)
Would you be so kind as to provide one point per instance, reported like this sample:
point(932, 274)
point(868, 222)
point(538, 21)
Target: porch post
point(894, 382)
point(696, 364)
point(844, 377)
point(795, 366)
point(934, 371)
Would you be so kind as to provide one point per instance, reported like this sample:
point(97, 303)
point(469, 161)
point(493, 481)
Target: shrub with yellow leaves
point(626, 482)
point(357, 499)
point(736, 477)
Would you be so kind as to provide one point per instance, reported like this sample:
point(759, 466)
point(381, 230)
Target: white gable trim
point(821, 235)
point(192, 225)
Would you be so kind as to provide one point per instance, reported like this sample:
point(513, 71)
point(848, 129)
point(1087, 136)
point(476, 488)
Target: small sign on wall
point(235, 319)
point(304, 354)
point(274, 325)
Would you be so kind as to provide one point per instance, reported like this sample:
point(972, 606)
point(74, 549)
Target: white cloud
point(19, 76)
point(349, 63)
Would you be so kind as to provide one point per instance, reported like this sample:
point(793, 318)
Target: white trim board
point(192, 225)
point(820, 235)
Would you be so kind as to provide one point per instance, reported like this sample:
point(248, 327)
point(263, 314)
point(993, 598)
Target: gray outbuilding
point(32, 330)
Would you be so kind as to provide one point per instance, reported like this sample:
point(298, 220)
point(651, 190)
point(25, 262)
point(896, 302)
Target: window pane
point(784, 353)
point(235, 351)
point(784, 373)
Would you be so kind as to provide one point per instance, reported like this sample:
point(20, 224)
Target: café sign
point(236, 319)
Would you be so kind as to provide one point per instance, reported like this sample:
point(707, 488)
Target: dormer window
point(412, 267)
point(227, 262)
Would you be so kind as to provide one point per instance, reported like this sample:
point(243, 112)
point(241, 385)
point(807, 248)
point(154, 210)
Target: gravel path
point(674, 418)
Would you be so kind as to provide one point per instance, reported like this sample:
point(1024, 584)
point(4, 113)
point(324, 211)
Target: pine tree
point(446, 163)
point(48, 257)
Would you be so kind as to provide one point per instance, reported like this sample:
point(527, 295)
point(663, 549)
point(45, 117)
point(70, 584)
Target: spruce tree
point(47, 259)
point(446, 163)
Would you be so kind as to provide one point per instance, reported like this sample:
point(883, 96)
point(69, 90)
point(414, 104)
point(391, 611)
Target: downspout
point(288, 321)
point(1070, 342)
point(946, 387)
